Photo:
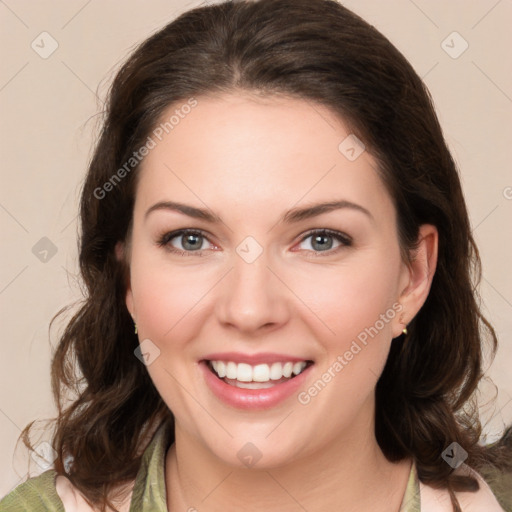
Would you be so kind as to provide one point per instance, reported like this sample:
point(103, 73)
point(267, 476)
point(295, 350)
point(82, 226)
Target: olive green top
point(39, 494)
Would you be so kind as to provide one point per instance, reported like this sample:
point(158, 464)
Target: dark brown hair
point(318, 51)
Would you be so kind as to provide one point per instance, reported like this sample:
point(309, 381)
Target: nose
point(252, 297)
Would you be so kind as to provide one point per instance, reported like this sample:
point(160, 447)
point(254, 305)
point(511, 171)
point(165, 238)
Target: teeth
point(259, 373)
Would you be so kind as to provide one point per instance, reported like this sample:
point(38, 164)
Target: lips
point(247, 397)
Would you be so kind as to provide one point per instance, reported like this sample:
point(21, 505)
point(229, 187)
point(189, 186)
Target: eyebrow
point(291, 216)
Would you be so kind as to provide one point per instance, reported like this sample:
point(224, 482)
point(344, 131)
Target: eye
point(189, 241)
point(322, 240)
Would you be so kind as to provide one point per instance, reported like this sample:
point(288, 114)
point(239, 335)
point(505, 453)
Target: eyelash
point(164, 239)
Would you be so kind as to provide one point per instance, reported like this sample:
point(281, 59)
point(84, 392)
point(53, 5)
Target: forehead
point(249, 151)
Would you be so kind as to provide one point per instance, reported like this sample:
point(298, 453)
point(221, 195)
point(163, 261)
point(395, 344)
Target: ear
point(120, 250)
point(416, 277)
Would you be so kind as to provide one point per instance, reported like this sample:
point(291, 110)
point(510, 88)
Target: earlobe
point(420, 273)
point(129, 302)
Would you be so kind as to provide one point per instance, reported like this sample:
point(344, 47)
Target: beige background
point(48, 119)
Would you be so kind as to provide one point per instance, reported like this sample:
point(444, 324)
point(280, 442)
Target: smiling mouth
point(258, 376)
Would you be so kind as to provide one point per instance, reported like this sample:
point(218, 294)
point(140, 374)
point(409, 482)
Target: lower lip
point(252, 399)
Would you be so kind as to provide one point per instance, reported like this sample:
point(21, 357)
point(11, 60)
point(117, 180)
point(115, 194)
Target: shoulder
point(37, 494)
point(438, 500)
point(73, 501)
point(50, 492)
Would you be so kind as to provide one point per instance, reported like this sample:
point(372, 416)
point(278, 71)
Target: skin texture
point(249, 160)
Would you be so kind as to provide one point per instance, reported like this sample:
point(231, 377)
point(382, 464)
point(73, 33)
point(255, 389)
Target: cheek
point(351, 300)
point(356, 312)
point(166, 296)
point(167, 301)
point(156, 302)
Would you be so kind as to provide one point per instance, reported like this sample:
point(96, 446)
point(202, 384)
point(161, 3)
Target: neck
point(335, 478)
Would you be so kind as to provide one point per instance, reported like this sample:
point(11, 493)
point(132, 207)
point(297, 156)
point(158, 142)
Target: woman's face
point(254, 281)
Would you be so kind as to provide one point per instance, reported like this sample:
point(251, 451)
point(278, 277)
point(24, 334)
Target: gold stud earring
point(404, 330)
point(135, 328)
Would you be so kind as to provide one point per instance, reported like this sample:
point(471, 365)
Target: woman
point(272, 204)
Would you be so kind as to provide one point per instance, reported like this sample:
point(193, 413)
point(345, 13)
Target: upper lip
point(254, 359)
